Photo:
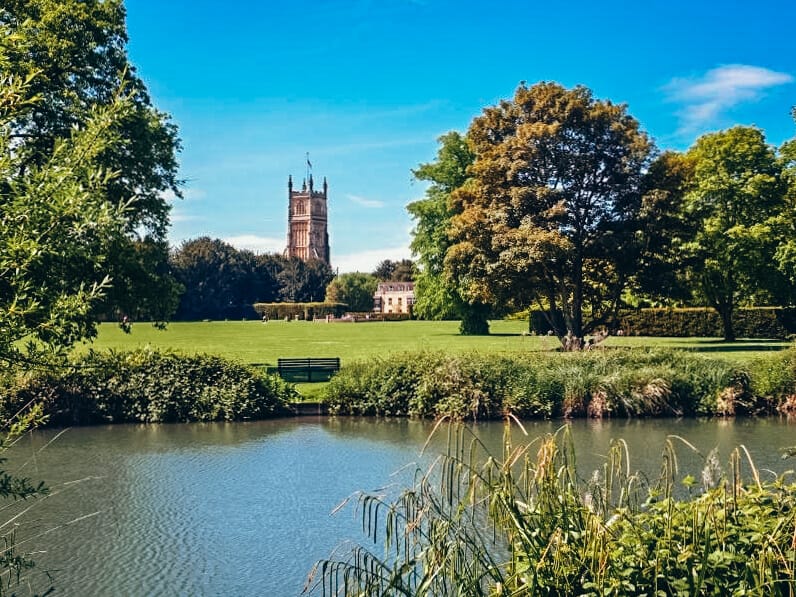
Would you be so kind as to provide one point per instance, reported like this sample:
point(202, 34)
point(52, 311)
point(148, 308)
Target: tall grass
point(525, 523)
point(604, 383)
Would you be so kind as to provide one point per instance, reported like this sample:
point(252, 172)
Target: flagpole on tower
point(309, 166)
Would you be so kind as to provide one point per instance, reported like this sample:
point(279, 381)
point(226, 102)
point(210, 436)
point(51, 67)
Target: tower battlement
point(307, 230)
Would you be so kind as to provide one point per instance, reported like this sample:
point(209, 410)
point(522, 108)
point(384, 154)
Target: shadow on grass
point(751, 347)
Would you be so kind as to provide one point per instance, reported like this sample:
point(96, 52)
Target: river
point(245, 508)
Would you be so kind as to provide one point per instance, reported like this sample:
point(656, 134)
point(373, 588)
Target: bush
point(602, 383)
point(307, 311)
point(149, 387)
point(756, 322)
point(753, 322)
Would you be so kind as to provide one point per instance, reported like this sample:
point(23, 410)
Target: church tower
point(307, 235)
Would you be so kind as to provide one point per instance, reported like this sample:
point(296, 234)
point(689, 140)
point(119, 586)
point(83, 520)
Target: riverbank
point(148, 386)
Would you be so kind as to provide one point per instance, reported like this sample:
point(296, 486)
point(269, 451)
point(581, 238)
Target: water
point(234, 509)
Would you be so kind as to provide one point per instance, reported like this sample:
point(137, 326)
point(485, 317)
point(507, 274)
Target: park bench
point(308, 369)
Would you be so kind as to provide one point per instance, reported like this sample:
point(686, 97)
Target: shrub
point(147, 387)
point(752, 322)
point(307, 311)
point(602, 383)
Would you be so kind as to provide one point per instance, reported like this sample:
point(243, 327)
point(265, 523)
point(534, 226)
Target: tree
point(549, 215)
point(395, 271)
point(56, 228)
point(216, 278)
point(355, 290)
point(436, 296)
point(661, 270)
point(785, 255)
point(737, 198)
point(304, 281)
point(76, 48)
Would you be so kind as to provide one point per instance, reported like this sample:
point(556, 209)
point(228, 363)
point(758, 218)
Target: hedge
point(307, 311)
point(752, 322)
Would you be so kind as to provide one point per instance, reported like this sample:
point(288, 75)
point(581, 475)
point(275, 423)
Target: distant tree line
point(222, 282)
point(219, 281)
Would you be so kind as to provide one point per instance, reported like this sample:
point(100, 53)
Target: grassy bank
point(145, 386)
point(603, 383)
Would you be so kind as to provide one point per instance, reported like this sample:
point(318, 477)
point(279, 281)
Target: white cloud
point(366, 261)
point(258, 244)
point(364, 202)
point(705, 98)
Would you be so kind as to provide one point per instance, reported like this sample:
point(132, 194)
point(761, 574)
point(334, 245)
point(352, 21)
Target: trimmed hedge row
point(300, 310)
point(618, 382)
point(148, 387)
point(752, 322)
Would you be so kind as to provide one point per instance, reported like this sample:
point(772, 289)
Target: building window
point(389, 301)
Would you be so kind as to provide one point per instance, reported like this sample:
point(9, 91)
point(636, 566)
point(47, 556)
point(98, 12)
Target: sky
point(367, 86)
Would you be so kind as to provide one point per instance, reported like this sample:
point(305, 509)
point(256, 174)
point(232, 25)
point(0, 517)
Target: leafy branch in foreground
point(14, 488)
point(525, 523)
point(56, 227)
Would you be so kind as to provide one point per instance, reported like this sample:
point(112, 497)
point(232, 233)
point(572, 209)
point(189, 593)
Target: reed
point(602, 383)
point(525, 523)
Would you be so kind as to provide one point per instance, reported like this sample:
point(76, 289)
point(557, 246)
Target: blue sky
point(367, 86)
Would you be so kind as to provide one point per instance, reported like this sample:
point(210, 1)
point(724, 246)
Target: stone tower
point(307, 235)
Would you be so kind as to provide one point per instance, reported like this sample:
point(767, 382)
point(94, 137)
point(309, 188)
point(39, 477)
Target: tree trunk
point(726, 322)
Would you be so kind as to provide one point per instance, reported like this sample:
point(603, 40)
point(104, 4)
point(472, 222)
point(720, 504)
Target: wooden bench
point(308, 369)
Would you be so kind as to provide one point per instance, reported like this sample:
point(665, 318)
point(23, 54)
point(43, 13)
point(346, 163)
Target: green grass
point(253, 342)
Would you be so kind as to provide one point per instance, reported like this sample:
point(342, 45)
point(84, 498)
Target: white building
point(394, 297)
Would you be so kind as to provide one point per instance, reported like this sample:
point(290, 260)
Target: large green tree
point(551, 210)
point(355, 290)
point(215, 277)
point(736, 203)
point(785, 255)
point(77, 51)
point(436, 295)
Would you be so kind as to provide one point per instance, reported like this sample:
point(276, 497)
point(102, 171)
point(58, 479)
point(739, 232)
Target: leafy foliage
point(72, 55)
point(552, 206)
point(395, 271)
point(57, 229)
point(525, 523)
point(148, 387)
point(737, 198)
point(355, 290)
point(695, 322)
point(630, 383)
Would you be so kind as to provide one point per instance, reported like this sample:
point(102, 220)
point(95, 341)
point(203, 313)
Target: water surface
point(245, 508)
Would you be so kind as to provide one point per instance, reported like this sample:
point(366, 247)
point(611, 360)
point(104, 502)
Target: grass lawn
point(258, 343)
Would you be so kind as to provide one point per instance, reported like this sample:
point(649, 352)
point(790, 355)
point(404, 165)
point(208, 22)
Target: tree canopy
point(549, 214)
point(396, 271)
point(56, 231)
point(73, 55)
point(736, 202)
point(355, 290)
point(436, 295)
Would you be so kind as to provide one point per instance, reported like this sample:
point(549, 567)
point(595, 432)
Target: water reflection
point(220, 509)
